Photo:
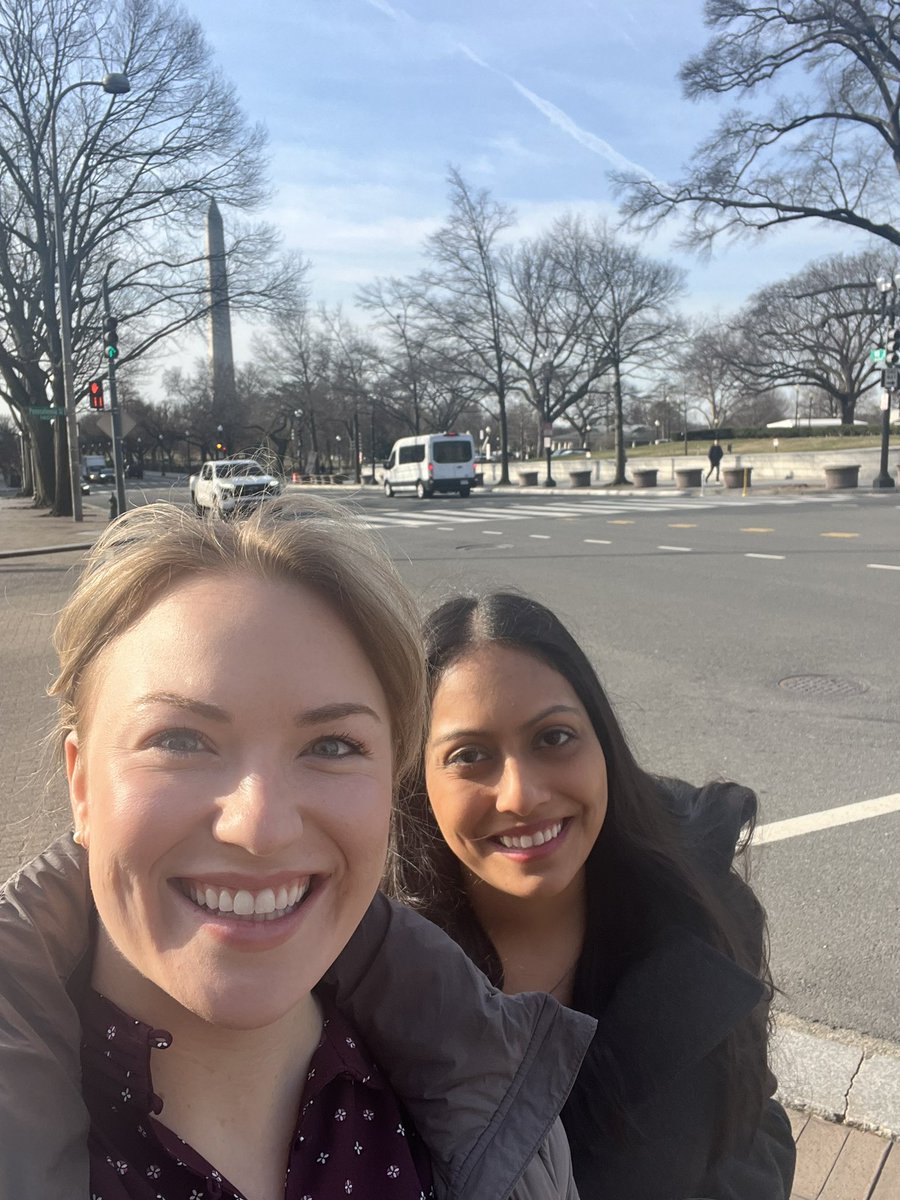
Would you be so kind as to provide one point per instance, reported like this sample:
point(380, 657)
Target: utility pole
point(112, 351)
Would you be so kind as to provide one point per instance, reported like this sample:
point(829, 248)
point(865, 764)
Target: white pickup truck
point(227, 485)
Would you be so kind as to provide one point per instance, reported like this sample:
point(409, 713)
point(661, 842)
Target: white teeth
point(528, 840)
point(264, 905)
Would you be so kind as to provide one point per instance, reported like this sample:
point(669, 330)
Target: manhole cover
point(822, 685)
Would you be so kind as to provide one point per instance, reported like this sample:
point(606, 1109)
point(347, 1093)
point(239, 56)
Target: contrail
point(589, 140)
point(552, 112)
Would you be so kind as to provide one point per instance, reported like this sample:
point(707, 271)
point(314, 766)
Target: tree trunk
point(847, 402)
point(620, 433)
point(504, 439)
point(42, 463)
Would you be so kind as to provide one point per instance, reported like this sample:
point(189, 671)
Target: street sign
point(103, 421)
point(547, 429)
point(885, 401)
point(47, 414)
point(891, 378)
point(877, 355)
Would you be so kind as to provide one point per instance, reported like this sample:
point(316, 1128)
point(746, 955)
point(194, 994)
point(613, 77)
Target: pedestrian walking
point(534, 838)
point(715, 454)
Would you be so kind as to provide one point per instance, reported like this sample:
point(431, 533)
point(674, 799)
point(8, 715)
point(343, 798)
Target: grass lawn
point(790, 445)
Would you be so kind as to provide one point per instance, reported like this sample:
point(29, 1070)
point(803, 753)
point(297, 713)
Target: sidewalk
point(851, 1081)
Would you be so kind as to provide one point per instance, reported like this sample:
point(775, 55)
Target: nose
point(260, 814)
point(520, 789)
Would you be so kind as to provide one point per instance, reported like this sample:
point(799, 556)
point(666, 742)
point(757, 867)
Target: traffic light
point(95, 387)
point(892, 348)
point(220, 449)
point(111, 337)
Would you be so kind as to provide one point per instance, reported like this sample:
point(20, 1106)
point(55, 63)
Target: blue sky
point(368, 101)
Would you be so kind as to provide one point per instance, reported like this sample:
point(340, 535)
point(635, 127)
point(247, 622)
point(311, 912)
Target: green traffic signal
point(111, 337)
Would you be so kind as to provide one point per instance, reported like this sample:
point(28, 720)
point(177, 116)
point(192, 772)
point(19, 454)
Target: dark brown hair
point(641, 877)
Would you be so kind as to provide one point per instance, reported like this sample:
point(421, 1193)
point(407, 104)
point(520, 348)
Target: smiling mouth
point(267, 904)
point(528, 841)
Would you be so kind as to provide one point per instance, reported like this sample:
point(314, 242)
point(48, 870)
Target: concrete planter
point(580, 478)
point(645, 478)
point(528, 478)
point(734, 476)
point(689, 477)
point(844, 476)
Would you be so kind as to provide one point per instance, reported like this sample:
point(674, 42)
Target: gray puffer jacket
point(483, 1075)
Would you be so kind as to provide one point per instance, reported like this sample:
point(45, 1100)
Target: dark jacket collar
point(483, 1075)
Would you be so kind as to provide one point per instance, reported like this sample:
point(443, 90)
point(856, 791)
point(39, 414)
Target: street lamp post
point(887, 286)
point(546, 373)
point(114, 84)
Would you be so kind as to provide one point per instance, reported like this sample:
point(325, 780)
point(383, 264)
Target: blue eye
point(336, 747)
point(179, 741)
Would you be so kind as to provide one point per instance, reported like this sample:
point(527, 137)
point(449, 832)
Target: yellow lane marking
point(681, 525)
point(839, 535)
point(620, 522)
point(757, 529)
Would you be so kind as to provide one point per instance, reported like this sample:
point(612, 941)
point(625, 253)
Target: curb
point(837, 1074)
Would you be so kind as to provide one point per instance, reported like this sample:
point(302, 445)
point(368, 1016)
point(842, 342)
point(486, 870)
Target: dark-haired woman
point(539, 844)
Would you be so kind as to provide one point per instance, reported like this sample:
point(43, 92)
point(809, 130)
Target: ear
point(76, 776)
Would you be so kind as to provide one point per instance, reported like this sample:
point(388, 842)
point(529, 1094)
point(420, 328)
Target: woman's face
point(515, 774)
point(233, 777)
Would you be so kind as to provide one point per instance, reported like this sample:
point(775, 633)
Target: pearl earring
point(78, 837)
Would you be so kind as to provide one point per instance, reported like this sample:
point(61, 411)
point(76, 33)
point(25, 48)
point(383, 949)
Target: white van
point(431, 462)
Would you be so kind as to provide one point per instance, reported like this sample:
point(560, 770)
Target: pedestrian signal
point(95, 387)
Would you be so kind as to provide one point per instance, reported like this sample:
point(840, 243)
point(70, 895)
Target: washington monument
point(221, 356)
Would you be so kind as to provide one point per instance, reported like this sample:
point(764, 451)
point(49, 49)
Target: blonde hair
point(151, 549)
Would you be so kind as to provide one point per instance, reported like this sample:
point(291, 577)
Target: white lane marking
point(492, 532)
point(445, 529)
point(780, 557)
point(882, 567)
point(844, 814)
point(679, 549)
point(543, 537)
point(598, 541)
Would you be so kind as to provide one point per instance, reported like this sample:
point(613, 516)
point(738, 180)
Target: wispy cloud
point(552, 112)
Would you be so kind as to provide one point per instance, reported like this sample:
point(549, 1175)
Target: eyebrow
point(309, 716)
point(453, 734)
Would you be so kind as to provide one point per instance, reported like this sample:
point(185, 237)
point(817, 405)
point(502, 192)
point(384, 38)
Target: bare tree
point(461, 304)
point(632, 299)
point(556, 322)
point(830, 152)
point(709, 370)
point(419, 385)
point(815, 330)
point(135, 175)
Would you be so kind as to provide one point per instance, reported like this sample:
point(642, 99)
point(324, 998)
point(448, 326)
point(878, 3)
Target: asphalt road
point(695, 612)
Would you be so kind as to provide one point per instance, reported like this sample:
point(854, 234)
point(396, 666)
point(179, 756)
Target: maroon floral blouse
point(351, 1138)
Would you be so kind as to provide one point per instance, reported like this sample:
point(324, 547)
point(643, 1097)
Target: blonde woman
point(199, 996)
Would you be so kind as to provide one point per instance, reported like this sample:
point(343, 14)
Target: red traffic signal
point(95, 387)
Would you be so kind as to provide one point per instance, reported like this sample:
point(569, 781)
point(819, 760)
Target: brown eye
point(466, 756)
point(556, 737)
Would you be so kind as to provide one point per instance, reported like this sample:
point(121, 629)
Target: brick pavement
point(834, 1162)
